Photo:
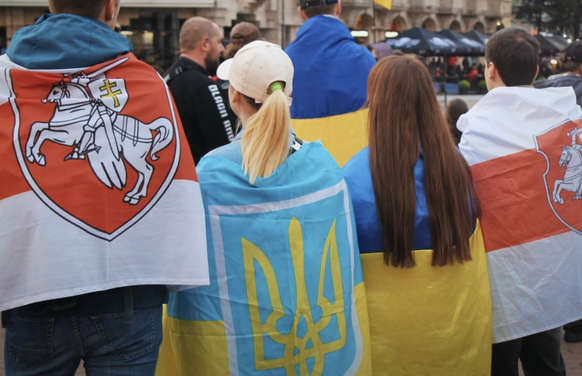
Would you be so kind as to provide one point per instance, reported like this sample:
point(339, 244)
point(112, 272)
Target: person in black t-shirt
point(205, 112)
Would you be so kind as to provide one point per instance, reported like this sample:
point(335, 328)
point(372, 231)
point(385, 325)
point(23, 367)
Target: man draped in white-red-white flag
point(100, 207)
point(525, 151)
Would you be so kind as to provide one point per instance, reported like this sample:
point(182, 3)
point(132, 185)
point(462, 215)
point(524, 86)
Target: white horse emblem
point(571, 158)
point(87, 117)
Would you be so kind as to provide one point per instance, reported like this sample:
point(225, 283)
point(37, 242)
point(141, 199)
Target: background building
point(153, 25)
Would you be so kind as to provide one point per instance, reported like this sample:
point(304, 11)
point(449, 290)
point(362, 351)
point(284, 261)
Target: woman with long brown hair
point(417, 223)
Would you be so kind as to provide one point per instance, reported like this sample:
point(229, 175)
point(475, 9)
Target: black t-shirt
point(204, 109)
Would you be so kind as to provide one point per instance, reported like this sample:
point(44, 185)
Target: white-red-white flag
point(524, 146)
point(98, 189)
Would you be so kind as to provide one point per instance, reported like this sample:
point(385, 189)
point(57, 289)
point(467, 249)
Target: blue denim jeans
point(37, 345)
point(540, 355)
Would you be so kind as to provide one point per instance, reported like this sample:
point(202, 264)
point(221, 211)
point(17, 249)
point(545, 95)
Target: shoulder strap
point(296, 145)
point(173, 73)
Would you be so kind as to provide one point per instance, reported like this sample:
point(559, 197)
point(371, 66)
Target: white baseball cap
point(255, 67)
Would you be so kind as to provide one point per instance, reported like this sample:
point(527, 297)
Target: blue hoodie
point(61, 41)
point(331, 69)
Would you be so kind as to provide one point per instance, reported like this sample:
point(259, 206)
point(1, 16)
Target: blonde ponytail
point(265, 138)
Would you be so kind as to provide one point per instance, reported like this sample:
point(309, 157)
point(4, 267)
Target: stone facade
point(153, 26)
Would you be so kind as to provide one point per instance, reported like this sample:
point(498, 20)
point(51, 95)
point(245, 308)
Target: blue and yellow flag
point(430, 320)
point(287, 294)
point(343, 135)
point(385, 3)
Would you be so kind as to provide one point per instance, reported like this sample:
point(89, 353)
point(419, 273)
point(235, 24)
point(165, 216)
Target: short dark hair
point(85, 8)
point(515, 54)
point(570, 66)
point(319, 10)
point(572, 57)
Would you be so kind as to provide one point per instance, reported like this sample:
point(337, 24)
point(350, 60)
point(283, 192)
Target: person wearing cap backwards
point(571, 76)
point(331, 69)
point(207, 118)
point(286, 292)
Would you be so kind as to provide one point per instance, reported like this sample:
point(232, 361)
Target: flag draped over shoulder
point(524, 149)
point(343, 135)
point(418, 314)
point(99, 189)
point(286, 294)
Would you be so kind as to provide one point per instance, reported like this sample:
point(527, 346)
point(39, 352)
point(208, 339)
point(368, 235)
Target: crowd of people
point(450, 245)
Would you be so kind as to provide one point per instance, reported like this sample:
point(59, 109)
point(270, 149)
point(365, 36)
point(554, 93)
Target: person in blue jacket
point(331, 69)
point(413, 196)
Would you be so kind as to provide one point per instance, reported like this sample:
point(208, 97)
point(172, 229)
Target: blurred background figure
point(421, 246)
point(380, 50)
point(455, 109)
point(571, 65)
point(242, 33)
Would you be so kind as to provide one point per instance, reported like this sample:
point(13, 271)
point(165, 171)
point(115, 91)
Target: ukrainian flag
point(287, 294)
point(430, 320)
point(385, 3)
point(343, 135)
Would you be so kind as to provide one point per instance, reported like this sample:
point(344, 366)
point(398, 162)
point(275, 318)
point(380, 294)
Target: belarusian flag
point(98, 189)
point(525, 151)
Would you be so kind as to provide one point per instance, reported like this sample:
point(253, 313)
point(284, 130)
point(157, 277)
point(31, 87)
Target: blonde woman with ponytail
point(286, 292)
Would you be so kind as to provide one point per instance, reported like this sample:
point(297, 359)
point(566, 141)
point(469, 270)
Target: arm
point(216, 120)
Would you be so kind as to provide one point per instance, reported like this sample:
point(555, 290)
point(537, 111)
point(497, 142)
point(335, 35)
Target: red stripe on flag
point(72, 185)
point(13, 183)
point(517, 205)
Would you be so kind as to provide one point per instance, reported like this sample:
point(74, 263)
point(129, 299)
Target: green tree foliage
point(563, 16)
point(531, 11)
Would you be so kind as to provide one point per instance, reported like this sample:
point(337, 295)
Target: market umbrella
point(477, 36)
point(558, 41)
point(424, 43)
point(547, 47)
point(468, 46)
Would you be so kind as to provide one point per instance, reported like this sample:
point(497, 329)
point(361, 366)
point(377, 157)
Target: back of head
point(85, 8)
point(405, 116)
point(515, 54)
point(382, 50)
point(193, 30)
point(314, 8)
point(263, 73)
point(241, 34)
point(413, 85)
point(455, 109)
point(572, 57)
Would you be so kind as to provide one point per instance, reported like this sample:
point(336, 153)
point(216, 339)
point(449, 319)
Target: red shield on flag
point(561, 146)
point(100, 169)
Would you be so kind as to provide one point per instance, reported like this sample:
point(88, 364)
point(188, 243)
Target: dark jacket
point(204, 110)
point(561, 80)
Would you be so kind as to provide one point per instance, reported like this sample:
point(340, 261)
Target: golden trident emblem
point(296, 348)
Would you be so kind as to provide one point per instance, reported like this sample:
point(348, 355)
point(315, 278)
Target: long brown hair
point(404, 115)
